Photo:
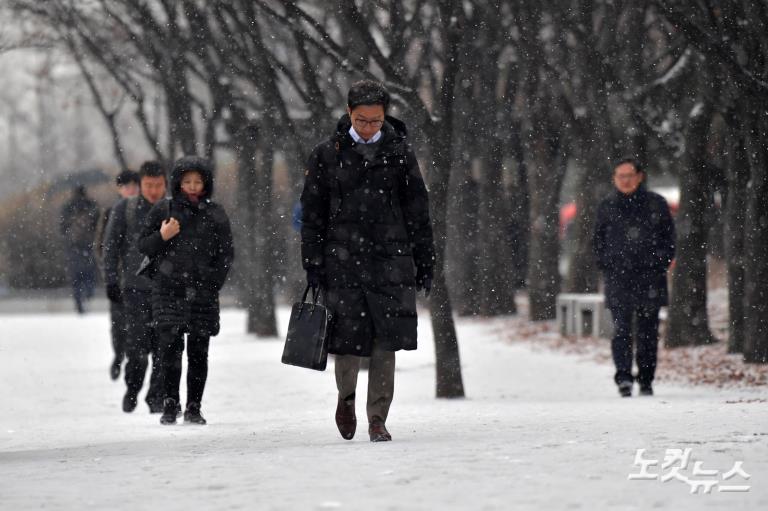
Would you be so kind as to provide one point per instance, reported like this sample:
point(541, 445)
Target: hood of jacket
point(196, 163)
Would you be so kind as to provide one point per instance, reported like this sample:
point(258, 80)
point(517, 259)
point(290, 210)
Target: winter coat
point(101, 231)
point(79, 217)
point(365, 225)
point(193, 265)
point(634, 242)
point(121, 244)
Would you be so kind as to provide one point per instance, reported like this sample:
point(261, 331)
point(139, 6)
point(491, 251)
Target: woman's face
point(192, 183)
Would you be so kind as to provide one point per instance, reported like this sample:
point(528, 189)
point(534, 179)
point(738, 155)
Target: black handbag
point(306, 344)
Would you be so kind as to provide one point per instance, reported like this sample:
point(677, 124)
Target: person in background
point(189, 239)
point(366, 239)
point(127, 185)
point(122, 260)
point(634, 243)
point(79, 217)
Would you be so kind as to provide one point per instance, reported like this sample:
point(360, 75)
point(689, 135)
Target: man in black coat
point(79, 217)
point(190, 241)
point(634, 242)
point(366, 239)
point(121, 261)
point(127, 184)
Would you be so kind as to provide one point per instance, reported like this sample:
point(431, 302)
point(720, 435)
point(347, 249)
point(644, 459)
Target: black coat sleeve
point(225, 251)
point(114, 241)
point(415, 203)
point(150, 241)
point(94, 213)
point(314, 211)
point(600, 237)
point(665, 236)
point(66, 219)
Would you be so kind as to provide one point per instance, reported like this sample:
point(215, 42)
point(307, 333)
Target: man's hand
point(169, 229)
point(114, 293)
point(424, 280)
point(316, 277)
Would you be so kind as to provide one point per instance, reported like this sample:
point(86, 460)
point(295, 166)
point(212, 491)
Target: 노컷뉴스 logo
point(675, 466)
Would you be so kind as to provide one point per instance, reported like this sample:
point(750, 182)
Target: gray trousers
point(381, 380)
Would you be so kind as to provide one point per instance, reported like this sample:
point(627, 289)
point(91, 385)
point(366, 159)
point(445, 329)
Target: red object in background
point(567, 215)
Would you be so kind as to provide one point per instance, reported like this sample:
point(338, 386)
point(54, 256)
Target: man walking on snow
point(634, 242)
point(127, 184)
point(121, 261)
point(366, 239)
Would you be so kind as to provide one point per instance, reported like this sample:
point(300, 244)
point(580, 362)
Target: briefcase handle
point(316, 293)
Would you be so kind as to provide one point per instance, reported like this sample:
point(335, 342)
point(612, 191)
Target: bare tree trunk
point(596, 156)
point(179, 104)
point(262, 320)
point(756, 236)
point(497, 289)
point(448, 363)
point(735, 220)
point(546, 173)
point(520, 210)
point(462, 244)
point(449, 382)
point(253, 229)
point(487, 106)
point(545, 164)
point(591, 129)
point(583, 276)
point(688, 318)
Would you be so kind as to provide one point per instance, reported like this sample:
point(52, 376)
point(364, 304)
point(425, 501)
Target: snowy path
point(538, 431)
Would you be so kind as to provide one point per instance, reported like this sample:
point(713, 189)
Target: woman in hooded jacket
point(189, 241)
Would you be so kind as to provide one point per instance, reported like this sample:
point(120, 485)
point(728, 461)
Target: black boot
point(169, 411)
point(192, 414)
point(625, 389)
point(155, 405)
point(114, 368)
point(129, 401)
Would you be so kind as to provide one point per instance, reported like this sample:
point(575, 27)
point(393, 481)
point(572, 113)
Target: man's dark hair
point(127, 176)
point(631, 161)
point(367, 92)
point(152, 168)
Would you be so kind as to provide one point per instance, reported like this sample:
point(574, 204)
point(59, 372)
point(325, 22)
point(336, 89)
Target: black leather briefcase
point(306, 344)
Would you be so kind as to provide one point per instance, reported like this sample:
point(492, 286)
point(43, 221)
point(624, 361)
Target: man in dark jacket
point(190, 241)
point(634, 242)
point(121, 261)
point(366, 239)
point(127, 184)
point(79, 217)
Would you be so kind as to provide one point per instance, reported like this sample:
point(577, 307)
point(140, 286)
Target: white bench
point(583, 314)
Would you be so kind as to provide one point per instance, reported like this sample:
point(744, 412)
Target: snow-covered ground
point(538, 430)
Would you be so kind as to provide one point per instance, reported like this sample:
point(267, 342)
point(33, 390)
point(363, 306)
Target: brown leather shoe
point(377, 431)
point(345, 418)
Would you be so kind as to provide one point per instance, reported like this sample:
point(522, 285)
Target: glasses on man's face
point(625, 177)
point(364, 123)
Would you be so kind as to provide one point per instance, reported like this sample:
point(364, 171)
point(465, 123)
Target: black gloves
point(316, 277)
point(114, 294)
point(424, 279)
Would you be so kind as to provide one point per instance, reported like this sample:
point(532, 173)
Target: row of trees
point(504, 99)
